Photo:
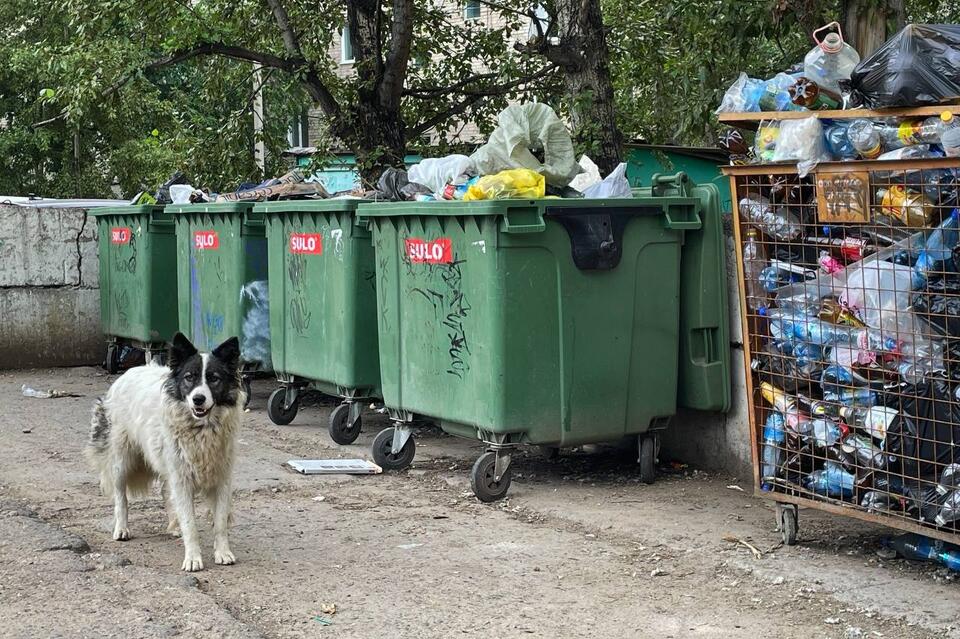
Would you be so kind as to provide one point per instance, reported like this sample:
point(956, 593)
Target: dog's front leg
point(181, 493)
point(221, 524)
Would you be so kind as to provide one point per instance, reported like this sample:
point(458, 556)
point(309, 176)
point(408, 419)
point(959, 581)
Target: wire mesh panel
point(850, 297)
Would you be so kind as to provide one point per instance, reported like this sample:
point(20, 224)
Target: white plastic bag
point(589, 177)
point(801, 141)
point(436, 173)
point(180, 193)
point(521, 129)
point(614, 185)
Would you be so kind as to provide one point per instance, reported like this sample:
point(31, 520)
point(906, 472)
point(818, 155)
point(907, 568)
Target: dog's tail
point(98, 448)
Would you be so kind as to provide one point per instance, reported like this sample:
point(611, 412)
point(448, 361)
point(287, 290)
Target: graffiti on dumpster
point(120, 303)
point(451, 308)
point(125, 261)
point(298, 310)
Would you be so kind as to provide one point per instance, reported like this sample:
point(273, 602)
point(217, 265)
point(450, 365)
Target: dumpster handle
point(682, 225)
point(525, 220)
point(660, 182)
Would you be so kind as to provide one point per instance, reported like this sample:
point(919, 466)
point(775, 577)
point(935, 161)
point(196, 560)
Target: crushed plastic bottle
point(774, 277)
point(772, 219)
point(950, 510)
point(920, 548)
point(882, 502)
point(754, 259)
point(832, 481)
point(950, 134)
point(949, 479)
point(774, 436)
point(938, 248)
point(867, 454)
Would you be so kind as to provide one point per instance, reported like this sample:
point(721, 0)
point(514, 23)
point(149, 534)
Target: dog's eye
point(214, 378)
point(188, 376)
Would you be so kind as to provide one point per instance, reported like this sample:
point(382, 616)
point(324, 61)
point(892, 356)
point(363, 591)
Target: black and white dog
point(175, 423)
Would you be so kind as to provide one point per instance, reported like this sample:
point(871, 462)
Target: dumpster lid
point(312, 206)
point(211, 207)
point(491, 207)
point(141, 209)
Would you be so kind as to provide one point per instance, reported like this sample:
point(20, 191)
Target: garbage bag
point(939, 304)
point(508, 185)
point(801, 141)
point(394, 185)
point(778, 366)
point(925, 434)
point(614, 185)
point(918, 66)
point(523, 129)
point(590, 175)
point(436, 173)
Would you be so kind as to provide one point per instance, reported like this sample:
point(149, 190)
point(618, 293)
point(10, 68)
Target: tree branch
point(430, 92)
point(290, 41)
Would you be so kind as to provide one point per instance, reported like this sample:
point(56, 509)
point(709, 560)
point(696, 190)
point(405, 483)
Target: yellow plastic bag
point(513, 184)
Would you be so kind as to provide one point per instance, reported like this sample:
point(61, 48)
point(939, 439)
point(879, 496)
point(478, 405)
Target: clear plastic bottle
point(774, 453)
point(938, 247)
point(950, 510)
point(754, 261)
point(950, 134)
point(832, 481)
point(865, 138)
point(772, 219)
point(918, 547)
point(831, 60)
point(949, 479)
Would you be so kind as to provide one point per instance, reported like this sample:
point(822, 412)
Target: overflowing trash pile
point(851, 275)
point(529, 155)
point(920, 66)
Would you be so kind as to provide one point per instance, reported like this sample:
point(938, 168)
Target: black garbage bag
point(774, 366)
point(394, 185)
point(924, 437)
point(939, 303)
point(918, 66)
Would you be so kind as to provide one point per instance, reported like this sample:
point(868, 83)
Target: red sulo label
point(306, 243)
point(438, 251)
point(206, 240)
point(120, 235)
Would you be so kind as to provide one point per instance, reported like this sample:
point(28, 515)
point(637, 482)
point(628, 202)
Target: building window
point(471, 10)
point(346, 47)
point(299, 132)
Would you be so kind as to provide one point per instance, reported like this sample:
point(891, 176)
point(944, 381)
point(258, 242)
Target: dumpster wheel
point(788, 520)
point(483, 479)
point(112, 363)
point(278, 413)
point(648, 458)
point(344, 430)
point(383, 453)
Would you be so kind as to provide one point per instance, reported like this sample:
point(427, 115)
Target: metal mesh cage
point(850, 301)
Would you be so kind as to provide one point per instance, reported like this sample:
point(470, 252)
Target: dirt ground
point(580, 548)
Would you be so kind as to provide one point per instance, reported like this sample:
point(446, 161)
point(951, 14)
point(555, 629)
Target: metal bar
point(842, 167)
point(750, 120)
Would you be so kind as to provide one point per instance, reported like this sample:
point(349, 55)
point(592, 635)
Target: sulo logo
point(306, 243)
point(120, 235)
point(438, 251)
point(206, 240)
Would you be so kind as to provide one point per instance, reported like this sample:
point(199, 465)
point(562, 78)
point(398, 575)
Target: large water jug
point(831, 60)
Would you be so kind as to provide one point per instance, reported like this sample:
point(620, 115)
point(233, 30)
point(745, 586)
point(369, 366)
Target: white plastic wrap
point(436, 173)
point(614, 185)
point(801, 141)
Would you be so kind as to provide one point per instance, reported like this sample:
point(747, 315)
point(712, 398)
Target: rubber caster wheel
point(383, 453)
point(485, 487)
point(648, 460)
point(275, 410)
point(340, 428)
point(245, 385)
point(112, 363)
point(788, 525)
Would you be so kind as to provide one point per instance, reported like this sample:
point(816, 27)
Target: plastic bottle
point(785, 404)
point(950, 510)
point(950, 134)
point(864, 451)
point(854, 397)
point(808, 94)
point(832, 481)
point(949, 479)
point(774, 436)
point(865, 138)
point(754, 259)
point(938, 247)
point(825, 433)
point(774, 94)
point(909, 133)
point(913, 209)
point(832, 311)
point(873, 420)
point(879, 501)
point(920, 548)
point(809, 329)
point(772, 220)
point(831, 60)
point(772, 278)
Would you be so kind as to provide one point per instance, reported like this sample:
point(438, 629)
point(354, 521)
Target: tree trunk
point(377, 136)
point(867, 26)
point(588, 90)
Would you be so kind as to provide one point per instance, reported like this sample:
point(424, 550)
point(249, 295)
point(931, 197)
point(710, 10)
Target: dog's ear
point(180, 351)
point(229, 353)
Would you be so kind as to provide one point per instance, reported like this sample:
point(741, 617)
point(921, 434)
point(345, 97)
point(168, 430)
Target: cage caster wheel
point(383, 453)
point(277, 411)
point(344, 430)
point(483, 479)
point(788, 520)
point(112, 362)
point(647, 458)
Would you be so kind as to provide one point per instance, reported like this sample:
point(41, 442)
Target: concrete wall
point(49, 291)
point(718, 441)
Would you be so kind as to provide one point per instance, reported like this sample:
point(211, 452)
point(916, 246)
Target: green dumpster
point(323, 321)
point(222, 276)
point(138, 289)
point(550, 322)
